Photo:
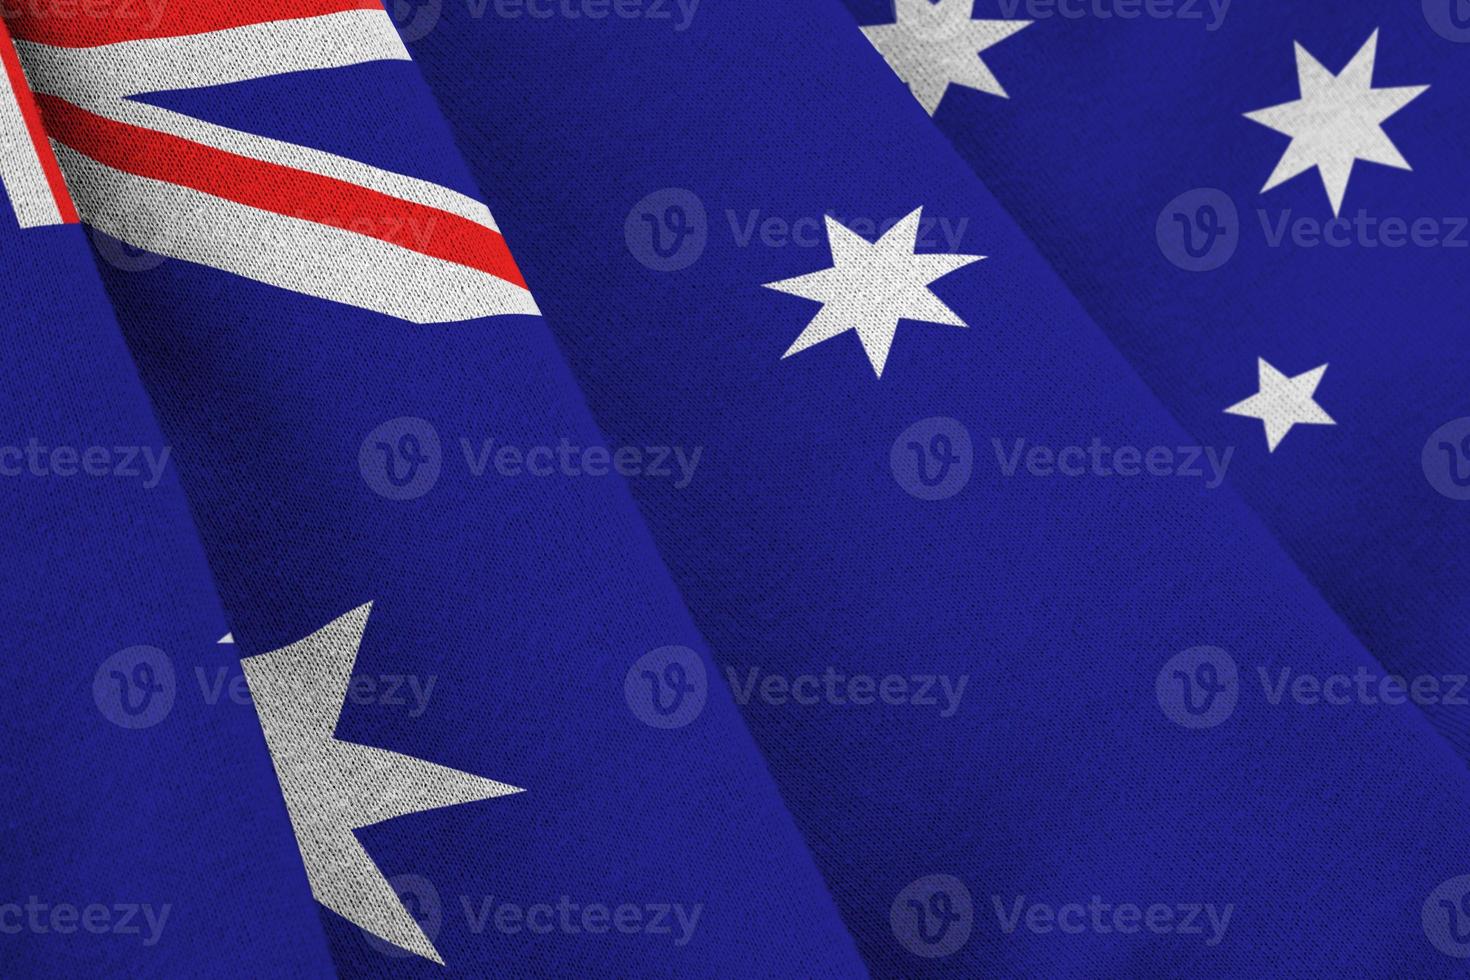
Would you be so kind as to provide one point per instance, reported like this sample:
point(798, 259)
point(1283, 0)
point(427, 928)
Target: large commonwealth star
point(1337, 121)
point(334, 787)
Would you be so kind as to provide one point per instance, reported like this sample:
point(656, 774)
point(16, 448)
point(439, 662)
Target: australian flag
point(641, 488)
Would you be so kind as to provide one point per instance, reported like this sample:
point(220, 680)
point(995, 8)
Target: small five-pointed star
point(1284, 402)
point(1337, 121)
point(934, 45)
point(873, 285)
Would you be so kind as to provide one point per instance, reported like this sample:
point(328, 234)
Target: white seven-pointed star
point(1284, 402)
point(873, 285)
point(934, 45)
point(1337, 121)
point(333, 787)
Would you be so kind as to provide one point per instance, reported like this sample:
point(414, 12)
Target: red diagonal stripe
point(283, 190)
point(83, 24)
point(32, 117)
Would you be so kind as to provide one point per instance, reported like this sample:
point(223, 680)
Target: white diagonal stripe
point(298, 157)
point(20, 166)
point(236, 54)
point(292, 253)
